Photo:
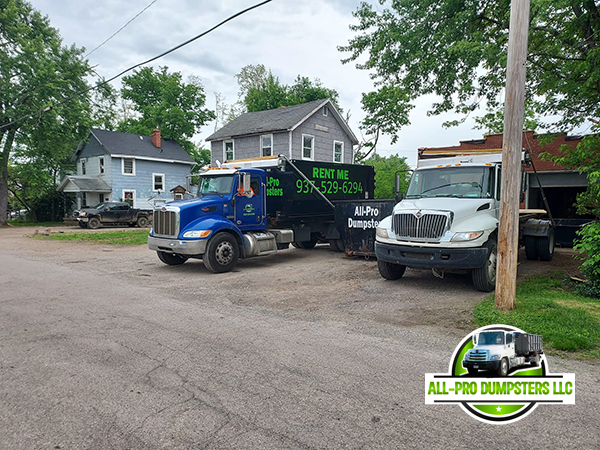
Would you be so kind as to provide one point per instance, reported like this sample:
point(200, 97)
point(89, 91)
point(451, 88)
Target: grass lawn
point(133, 237)
point(546, 305)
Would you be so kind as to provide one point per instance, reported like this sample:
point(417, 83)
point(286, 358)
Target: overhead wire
point(177, 47)
point(121, 29)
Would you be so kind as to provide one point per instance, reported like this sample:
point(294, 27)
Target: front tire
point(390, 271)
point(484, 278)
point(503, 368)
point(222, 253)
point(94, 223)
point(82, 224)
point(171, 259)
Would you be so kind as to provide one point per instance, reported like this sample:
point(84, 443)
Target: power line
point(120, 29)
point(183, 44)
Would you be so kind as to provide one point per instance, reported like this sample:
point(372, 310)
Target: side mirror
point(246, 185)
point(474, 339)
point(399, 197)
point(397, 184)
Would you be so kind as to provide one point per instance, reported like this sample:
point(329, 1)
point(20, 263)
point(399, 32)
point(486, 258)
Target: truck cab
point(448, 221)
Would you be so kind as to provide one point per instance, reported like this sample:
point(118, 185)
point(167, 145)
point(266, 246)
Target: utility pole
point(508, 239)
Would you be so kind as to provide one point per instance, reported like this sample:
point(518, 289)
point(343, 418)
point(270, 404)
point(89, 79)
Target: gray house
point(312, 131)
point(113, 166)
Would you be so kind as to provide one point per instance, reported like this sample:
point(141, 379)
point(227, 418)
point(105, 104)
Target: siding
point(323, 139)
point(249, 147)
point(142, 182)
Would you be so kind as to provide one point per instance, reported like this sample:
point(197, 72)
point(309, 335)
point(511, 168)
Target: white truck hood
point(492, 349)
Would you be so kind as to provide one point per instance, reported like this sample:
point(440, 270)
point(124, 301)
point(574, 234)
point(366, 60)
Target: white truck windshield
point(460, 182)
point(220, 185)
point(492, 338)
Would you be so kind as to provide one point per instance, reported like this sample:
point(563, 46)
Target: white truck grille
point(417, 225)
point(478, 355)
point(166, 223)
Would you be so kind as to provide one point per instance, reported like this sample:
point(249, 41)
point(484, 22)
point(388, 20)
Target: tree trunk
point(10, 137)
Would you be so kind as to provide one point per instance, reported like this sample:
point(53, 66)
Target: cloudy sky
point(290, 37)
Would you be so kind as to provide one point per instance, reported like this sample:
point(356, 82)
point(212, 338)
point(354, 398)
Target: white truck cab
point(448, 220)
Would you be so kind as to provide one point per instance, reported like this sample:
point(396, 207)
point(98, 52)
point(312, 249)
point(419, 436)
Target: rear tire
point(307, 245)
point(545, 246)
point(93, 223)
point(484, 278)
point(531, 248)
point(337, 245)
point(171, 259)
point(222, 253)
point(390, 271)
point(142, 222)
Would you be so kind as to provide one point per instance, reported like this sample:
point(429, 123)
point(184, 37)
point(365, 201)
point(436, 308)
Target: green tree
point(385, 174)
point(36, 72)
point(457, 50)
point(162, 100)
point(260, 90)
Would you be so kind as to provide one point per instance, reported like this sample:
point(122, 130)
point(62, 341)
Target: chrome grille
point(427, 226)
point(165, 223)
point(478, 356)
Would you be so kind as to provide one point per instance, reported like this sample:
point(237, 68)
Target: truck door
point(250, 212)
point(110, 214)
point(510, 346)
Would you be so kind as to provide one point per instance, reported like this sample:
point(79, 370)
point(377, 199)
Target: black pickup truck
point(112, 213)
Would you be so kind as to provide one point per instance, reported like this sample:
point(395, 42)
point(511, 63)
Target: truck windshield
point(219, 185)
point(492, 338)
point(461, 182)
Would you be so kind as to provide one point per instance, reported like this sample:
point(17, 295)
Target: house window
point(83, 167)
point(228, 153)
point(338, 151)
point(101, 163)
point(83, 200)
point(129, 197)
point(100, 198)
point(325, 111)
point(308, 146)
point(158, 182)
point(128, 167)
point(266, 145)
point(178, 196)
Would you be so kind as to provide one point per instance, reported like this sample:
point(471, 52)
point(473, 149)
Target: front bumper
point(83, 219)
point(190, 247)
point(430, 257)
point(481, 365)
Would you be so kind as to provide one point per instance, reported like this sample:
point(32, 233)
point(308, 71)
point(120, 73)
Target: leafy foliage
point(36, 71)
point(385, 174)
point(260, 90)
point(457, 50)
point(162, 100)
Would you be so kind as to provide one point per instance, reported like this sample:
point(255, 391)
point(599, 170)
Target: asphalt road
point(104, 347)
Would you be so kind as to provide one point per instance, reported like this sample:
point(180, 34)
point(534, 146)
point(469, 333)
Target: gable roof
point(78, 183)
point(281, 119)
point(136, 146)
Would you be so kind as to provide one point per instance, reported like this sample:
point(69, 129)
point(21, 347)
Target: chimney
point(156, 138)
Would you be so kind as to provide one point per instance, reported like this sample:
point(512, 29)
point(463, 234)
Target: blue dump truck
point(256, 207)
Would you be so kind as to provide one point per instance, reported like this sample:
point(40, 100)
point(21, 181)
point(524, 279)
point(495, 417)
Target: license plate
point(475, 366)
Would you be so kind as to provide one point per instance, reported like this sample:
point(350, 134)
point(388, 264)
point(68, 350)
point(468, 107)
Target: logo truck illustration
point(500, 351)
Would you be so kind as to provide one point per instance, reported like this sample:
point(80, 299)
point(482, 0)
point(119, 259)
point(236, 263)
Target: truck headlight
point(466, 236)
point(382, 233)
point(494, 357)
point(467, 356)
point(197, 234)
point(82, 214)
